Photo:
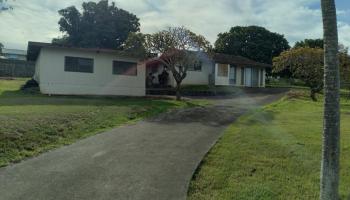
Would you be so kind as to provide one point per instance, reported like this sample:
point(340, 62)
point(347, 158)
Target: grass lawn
point(33, 123)
point(272, 153)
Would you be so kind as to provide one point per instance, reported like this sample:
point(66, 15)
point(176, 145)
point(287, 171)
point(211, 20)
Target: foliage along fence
point(16, 68)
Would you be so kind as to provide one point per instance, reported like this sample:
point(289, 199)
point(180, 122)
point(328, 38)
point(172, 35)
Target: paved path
point(150, 160)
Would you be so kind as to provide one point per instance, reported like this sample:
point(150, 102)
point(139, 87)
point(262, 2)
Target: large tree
point(305, 64)
point(344, 67)
point(331, 126)
point(311, 43)
point(101, 25)
point(344, 58)
point(136, 44)
point(254, 42)
point(178, 48)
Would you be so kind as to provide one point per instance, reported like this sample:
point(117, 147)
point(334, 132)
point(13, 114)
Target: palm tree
point(331, 127)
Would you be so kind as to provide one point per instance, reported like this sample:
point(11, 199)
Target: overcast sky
point(36, 20)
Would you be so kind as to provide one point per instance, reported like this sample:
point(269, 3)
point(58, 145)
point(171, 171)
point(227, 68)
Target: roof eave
point(34, 49)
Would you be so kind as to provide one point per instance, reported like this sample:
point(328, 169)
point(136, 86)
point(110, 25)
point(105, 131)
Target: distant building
point(14, 54)
point(4, 5)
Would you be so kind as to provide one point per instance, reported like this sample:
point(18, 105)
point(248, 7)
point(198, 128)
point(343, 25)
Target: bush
point(30, 86)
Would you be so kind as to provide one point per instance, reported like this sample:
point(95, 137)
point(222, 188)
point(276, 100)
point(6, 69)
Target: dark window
point(75, 64)
point(197, 66)
point(125, 68)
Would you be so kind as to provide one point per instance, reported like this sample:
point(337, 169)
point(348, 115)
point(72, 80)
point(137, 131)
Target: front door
point(232, 75)
point(248, 77)
point(255, 77)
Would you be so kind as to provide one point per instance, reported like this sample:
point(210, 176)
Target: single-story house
point(215, 69)
point(82, 71)
point(67, 70)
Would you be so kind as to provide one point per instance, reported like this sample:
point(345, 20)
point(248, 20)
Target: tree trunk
point(331, 131)
point(313, 95)
point(178, 91)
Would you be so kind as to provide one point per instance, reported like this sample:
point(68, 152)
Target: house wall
point(219, 80)
point(192, 77)
point(208, 68)
point(38, 63)
point(199, 77)
point(54, 80)
point(264, 78)
point(238, 76)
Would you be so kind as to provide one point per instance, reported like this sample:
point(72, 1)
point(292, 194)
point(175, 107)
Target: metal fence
point(16, 68)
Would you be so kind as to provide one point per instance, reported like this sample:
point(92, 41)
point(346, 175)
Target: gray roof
point(14, 51)
point(237, 60)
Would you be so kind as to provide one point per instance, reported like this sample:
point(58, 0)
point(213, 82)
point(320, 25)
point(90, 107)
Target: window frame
point(76, 66)
point(197, 67)
point(225, 74)
point(114, 66)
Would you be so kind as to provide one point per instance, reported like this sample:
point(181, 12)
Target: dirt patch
point(224, 110)
point(211, 115)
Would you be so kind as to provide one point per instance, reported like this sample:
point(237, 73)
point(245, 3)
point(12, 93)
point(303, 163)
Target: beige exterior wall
point(192, 77)
point(264, 78)
point(202, 77)
point(220, 80)
point(54, 80)
point(199, 77)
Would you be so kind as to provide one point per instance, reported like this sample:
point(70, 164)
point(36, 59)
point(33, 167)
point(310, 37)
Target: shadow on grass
point(16, 98)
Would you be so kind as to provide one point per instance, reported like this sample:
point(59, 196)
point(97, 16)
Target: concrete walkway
point(150, 160)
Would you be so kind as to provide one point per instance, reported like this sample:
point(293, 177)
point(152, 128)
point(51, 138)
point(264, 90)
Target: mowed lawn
point(33, 123)
point(272, 153)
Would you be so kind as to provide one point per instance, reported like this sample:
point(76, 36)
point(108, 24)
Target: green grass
point(272, 153)
point(286, 83)
point(34, 123)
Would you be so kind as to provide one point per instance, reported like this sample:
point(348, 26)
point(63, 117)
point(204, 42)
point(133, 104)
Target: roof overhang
point(219, 58)
point(34, 49)
point(237, 60)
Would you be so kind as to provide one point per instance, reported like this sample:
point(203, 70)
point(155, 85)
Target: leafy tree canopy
point(311, 43)
point(318, 43)
point(100, 25)
point(136, 44)
point(307, 64)
point(254, 42)
point(344, 68)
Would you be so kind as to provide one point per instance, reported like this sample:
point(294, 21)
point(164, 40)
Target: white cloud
point(37, 19)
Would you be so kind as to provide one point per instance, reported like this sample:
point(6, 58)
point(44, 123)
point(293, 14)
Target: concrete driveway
point(152, 159)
